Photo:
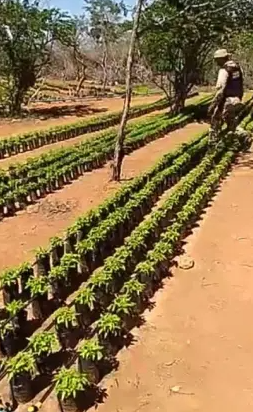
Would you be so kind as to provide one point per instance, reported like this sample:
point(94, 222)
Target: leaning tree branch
point(119, 151)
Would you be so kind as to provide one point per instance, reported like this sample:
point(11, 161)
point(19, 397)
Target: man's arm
point(220, 87)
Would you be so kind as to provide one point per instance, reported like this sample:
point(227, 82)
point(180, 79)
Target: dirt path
point(34, 226)
point(195, 351)
point(91, 108)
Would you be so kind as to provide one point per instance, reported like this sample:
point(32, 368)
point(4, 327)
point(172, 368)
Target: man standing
point(228, 98)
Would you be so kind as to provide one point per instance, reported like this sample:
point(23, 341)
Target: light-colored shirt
point(223, 76)
point(220, 85)
point(222, 79)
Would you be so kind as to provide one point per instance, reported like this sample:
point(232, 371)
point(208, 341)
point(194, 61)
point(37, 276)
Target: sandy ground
point(195, 351)
point(90, 108)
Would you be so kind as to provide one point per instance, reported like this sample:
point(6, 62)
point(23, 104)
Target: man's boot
point(244, 136)
point(213, 137)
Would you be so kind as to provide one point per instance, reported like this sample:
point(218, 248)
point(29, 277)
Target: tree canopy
point(176, 39)
point(177, 36)
point(27, 35)
point(105, 26)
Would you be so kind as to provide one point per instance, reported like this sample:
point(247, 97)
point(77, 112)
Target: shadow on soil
point(245, 161)
point(196, 223)
point(78, 110)
point(97, 395)
point(51, 112)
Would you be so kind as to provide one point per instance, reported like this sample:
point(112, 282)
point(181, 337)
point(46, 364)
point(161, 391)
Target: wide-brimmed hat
point(221, 53)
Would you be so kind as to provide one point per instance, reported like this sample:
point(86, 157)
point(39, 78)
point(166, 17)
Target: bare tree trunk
point(104, 84)
point(81, 69)
point(167, 90)
point(180, 96)
point(35, 94)
point(15, 105)
point(178, 104)
point(182, 86)
point(119, 149)
point(105, 66)
point(81, 82)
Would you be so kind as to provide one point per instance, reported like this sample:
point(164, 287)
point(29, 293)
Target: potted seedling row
point(71, 169)
point(135, 290)
point(156, 264)
point(104, 285)
point(42, 345)
point(29, 142)
point(124, 308)
point(56, 251)
point(75, 233)
point(64, 276)
point(71, 263)
point(69, 384)
point(20, 370)
point(9, 339)
point(16, 310)
point(38, 288)
point(25, 273)
point(67, 245)
point(2, 349)
point(42, 263)
point(109, 330)
point(88, 254)
point(87, 307)
point(119, 266)
point(59, 281)
point(90, 354)
point(9, 204)
point(9, 285)
point(65, 319)
point(145, 273)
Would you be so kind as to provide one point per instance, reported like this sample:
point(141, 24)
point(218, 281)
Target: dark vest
point(234, 87)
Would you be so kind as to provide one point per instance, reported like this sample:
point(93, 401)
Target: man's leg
point(215, 127)
point(229, 114)
point(231, 110)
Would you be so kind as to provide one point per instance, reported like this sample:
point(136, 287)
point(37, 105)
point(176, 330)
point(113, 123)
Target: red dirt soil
point(195, 351)
point(92, 108)
point(33, 227)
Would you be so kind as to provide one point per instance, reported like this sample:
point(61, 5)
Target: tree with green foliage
point(104, 18)
point(177, 36)
point(27, 35)
point(241, 46)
